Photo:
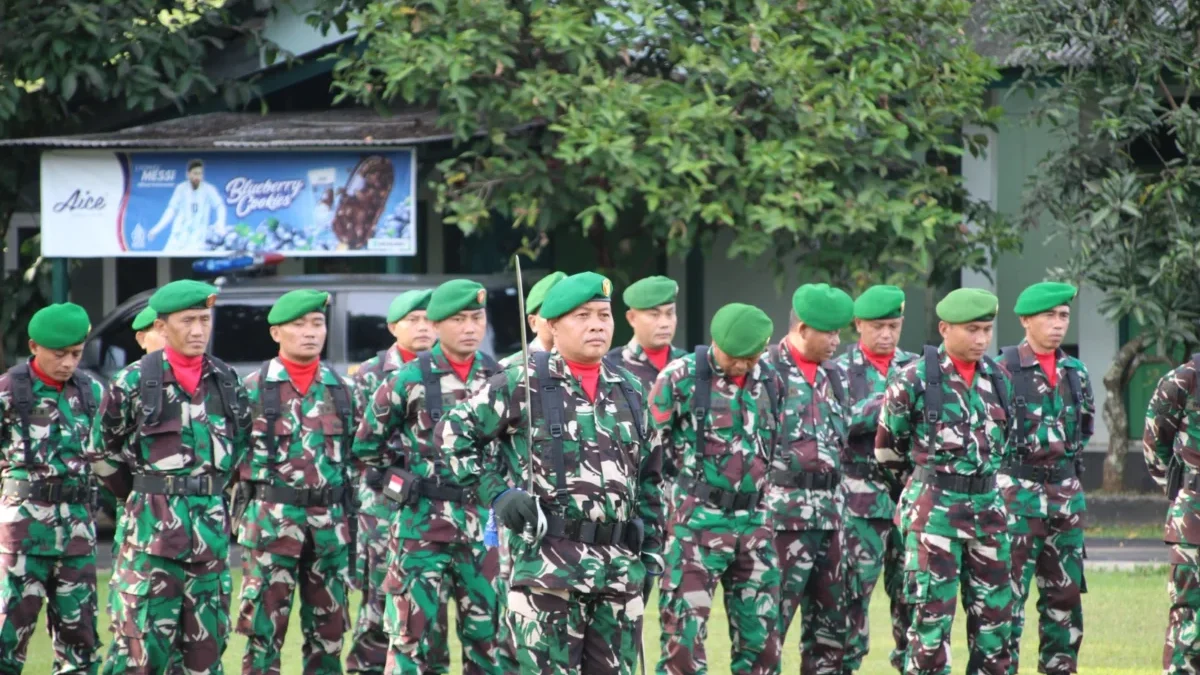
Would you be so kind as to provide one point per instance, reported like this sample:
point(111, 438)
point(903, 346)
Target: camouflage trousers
point(68, 585)
point(935, 567)
point(269, 582)
point(560, 632)
point(369, 644)
point(506, 651)
point(873, 545)
point(169, 611)
point(749, 573)
point(1055, 554)
point(429, 573)
point(1181, 651)
point(812, 581)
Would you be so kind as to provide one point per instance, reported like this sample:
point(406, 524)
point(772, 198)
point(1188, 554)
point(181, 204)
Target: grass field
point(1125, 618)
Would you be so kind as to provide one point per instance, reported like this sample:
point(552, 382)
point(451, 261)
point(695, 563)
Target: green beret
point(966, 305)
point(453, 297)
point(575, 290)
point(537, 294)
point(823, 307)
point(144, 320)
point(741, 331)
point(880, 302)
point(651, 292)
point(183, 294)
point(408, 302)
point(296, 304)
point(1043, 297)
point(59, 326)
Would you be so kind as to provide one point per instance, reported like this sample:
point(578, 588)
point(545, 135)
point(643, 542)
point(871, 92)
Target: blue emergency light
point(235, 262)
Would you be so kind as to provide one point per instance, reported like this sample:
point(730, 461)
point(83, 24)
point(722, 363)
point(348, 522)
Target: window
point(114, 349)
point(241, 333)
point(366, 324)
point(504, 315)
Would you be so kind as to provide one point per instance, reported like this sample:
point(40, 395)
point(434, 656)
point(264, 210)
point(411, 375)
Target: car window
point(117, 347)
point(241, 333)
point(504, 315)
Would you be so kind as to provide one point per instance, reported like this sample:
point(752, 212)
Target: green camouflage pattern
point(451, 560)
point(813, 582)
point(973, 444)
point(535, 345)
point(1046, 519)
point(288, 546)
point(611, 475)
point(369, 644)
point(177, 544)
point(47, 550)
point(706, 544)
point(633, 359)
point(562, 632)
point(1181, 653)
point(951, 537)
point(873, 543)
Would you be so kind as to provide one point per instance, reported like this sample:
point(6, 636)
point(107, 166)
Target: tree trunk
point(1115, 380)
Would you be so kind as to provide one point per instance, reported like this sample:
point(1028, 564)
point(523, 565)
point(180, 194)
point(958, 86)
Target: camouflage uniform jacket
point(370, 374)
point(399, 406)
point(58, 430)
point(311, 451)
point(866, 498)
point(1052, 438)
point(970, 440)
point(194, 438)
point(1173, 429)
point(741, 430)
point(633, 358)
point(611, 475)
point(814, 433)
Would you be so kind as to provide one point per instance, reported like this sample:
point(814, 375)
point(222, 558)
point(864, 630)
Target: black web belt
point(179, 485)
point(956, 482)
point(806, 480)
point(616, 533)
point(719, 498)
point(326, 496)
point(47, 491)
point(862, 471)
point(1040, 474)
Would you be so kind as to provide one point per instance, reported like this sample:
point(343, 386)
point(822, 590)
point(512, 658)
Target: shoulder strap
point(553, 403)
point(835, 382)
point(382, 356)
point(269, 399)
point(857, 374)
point(1196, 381)
point(702, 393)
point(150, 387)
point(933, 395)
point(227, 383)
point(1022, 382)
point(433, 386)
point(776, 395)
point(83, 384)
point(1077, 401)
point(997, 379)
point(634, 400)
point(492, 365)
point(344, 405)
point(22, 397)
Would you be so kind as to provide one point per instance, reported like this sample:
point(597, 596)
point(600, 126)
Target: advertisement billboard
point(201, 204)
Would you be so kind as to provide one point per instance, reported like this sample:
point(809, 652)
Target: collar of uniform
point(277, 373)
point(441, 365)
point(168, 375)
point(785, 358)
point(634, 349)
point(391, 358)
point(899, 357)
point(1029, 358)
point(981, 366)
point(560, 371)
point(755, 375)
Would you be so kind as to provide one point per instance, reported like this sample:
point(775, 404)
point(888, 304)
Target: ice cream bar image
point(366, 195)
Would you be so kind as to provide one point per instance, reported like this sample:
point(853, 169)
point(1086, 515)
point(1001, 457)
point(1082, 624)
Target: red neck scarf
point(187, 369)
point(301, 374)
point(405, 355)
point(588, 375)
point(461, 368)
point(46, 379)
point(966, 369)
point(1049, 364)
point(881, 362)
point(739, 380)
point(658, 357)
point(808, 368)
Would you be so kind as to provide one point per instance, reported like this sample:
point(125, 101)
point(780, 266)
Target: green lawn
point(1149, 531)
point(1125, 615)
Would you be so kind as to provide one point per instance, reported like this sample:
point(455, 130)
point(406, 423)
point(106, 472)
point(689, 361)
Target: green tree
point(820, 134)
point(1114, 82)
point(68, 63)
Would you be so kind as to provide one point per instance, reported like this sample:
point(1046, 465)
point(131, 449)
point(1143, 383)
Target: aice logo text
point(80, 200)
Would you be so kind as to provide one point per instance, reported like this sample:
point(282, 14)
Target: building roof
point(353, 127)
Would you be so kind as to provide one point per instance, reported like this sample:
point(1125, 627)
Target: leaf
point(69, 82)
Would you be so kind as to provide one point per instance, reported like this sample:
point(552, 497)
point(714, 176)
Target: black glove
point(654, 572)
point(515, 508)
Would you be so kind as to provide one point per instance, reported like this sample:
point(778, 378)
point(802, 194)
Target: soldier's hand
point(515, 508)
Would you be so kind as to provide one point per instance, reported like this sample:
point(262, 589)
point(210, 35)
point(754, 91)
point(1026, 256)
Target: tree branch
point(1162, 86)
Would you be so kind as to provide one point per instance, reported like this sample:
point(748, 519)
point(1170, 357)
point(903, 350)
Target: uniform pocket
point(403, 618)
point(916, 586)
point(132, 605)
point(335, 436)
point(252, 588)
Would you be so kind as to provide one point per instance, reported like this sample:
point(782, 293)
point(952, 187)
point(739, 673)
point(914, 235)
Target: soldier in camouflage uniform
point(1172, 448)
point(435, 548)
point(651, 314)
point(543, 337)
point(804, 498)
point(47, 534)
point(873, 542)
point(946, 413)
point(580, 560)
point(296, 532)
point(173, 428)
point(715, 416)
point(414, 333)
point(1052, 421)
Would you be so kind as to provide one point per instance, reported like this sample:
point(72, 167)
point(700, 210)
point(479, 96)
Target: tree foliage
point(1114, 81)
point(65, 64)
point(821, 134)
